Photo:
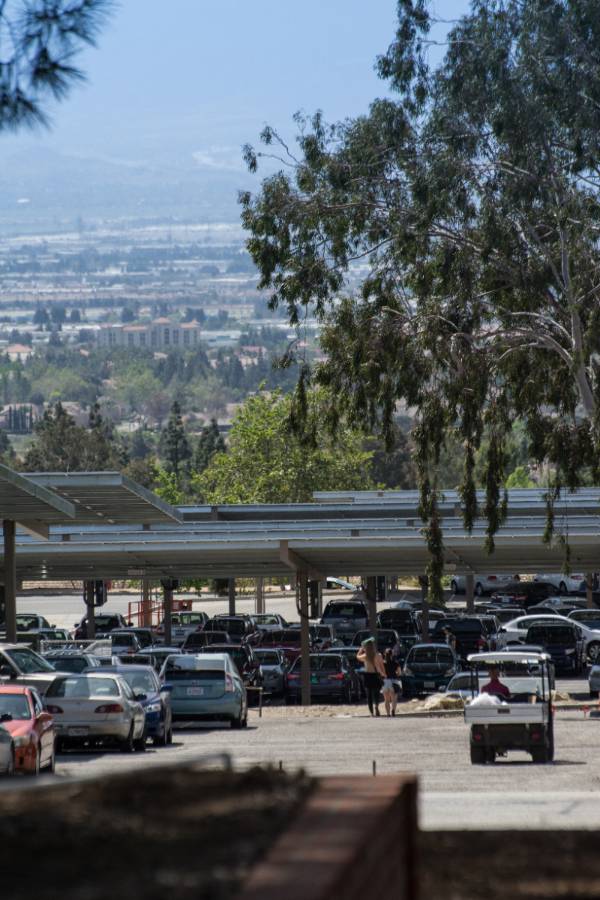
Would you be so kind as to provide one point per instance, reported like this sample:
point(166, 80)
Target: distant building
point(161, 334)
point(18, 352)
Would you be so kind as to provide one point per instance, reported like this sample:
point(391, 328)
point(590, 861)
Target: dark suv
point(470, 635)
point(347, 617)
point(562, 642)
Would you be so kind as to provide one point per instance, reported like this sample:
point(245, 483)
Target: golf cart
point(524, 720)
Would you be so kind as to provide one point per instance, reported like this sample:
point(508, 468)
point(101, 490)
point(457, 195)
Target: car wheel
point(479, 589)
point(161, 740)
point(11, 762)
point(237, 722)
point(140, 743)
point(128, 745)
point(540, 755)
point(170, 736)
point(593, 650)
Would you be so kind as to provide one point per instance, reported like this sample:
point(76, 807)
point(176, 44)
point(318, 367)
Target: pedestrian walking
point(374, 672)
point(392, 671)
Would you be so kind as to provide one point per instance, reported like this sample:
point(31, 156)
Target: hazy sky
point(195, 79)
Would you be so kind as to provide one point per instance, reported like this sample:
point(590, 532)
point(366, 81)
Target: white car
point(483, 584)
point(517, 629)
point(96, 708)
point(269, 621)
point(564, 584)
point(182, 624)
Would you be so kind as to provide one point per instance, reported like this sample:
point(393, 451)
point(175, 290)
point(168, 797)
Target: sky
point(192, 80)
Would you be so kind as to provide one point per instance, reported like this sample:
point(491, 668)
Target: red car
point(31, 728)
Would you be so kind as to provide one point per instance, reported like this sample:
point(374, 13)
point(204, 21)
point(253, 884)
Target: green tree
point(266, 463)
point(210, 442)
point(39, 41)
point(60, 445)
point(472, 198)
point(175, 446)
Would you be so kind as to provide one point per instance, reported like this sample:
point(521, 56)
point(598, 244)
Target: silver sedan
point(96, 709)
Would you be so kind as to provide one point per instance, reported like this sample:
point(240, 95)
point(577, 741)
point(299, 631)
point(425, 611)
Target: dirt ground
point(509, 865)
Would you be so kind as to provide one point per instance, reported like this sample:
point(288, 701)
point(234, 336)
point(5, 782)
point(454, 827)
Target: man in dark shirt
point(495, 686)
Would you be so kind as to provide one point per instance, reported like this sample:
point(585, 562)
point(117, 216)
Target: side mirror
point(166, 688)
point(130, 624)
point(140, 697)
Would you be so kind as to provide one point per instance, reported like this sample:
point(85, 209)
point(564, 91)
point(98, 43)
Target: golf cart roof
point(499, 657)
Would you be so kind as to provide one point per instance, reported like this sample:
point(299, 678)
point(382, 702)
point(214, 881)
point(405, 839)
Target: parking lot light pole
point(470, 591)
point(10, 580)
point(146, 604)
point(304, 638)
point(168, 610)
point(231, 595)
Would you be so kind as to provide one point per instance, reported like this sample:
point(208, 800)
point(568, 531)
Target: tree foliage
point(38, 42)
point(265, 463)
point(175, 446)
point(210, 442)
point(472, 197)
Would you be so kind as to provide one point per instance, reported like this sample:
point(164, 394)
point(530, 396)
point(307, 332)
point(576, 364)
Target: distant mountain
point(43, 187)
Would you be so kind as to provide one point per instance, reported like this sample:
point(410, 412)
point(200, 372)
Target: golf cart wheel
point(478, 755)
point(540, 755)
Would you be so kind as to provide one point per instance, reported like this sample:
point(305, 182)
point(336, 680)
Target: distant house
point(18, 352)
point(161, 334)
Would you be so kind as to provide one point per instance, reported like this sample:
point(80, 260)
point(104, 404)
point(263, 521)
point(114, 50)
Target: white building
point(161, 334)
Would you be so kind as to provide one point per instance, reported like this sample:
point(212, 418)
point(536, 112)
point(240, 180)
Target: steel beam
point(294, 561)
point(10, 580)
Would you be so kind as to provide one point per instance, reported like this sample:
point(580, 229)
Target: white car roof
point(550, 616)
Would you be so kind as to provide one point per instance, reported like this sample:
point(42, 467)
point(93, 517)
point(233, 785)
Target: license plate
point(195, 691)
point(78, 732)
point(430, 684)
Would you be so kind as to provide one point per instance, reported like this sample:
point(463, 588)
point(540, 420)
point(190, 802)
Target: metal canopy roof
point(105, 497)
point(360, 547)
point(22, 500)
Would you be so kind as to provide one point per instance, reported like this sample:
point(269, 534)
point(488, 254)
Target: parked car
point(96, 709)
point(7, 752)
point(206, 687)
point(330, 677)
point(564, 584)
point(338, 584)
point(460, 686)
point(54, 634)
point(124, 642)
point(470, 635)
point(356, 666)
point(198, 639)
point(288, 641)
point(23, 716)
point(154, 697)
point(274, 666)
point(22, 665)
point(428, 668)
point(507, 613)
point(483, 584)
point(182, 624)
point(239, 628)
point(322, 637)
point(104, 622)
point(563, 643)
point(517, 629)
point(71, 660)
point(243, 657)
point(386, 637)
point(588, 617)
point(145, 636)
point(346, 616)
point(269, 621)
point(405, 622)
point(32, 622)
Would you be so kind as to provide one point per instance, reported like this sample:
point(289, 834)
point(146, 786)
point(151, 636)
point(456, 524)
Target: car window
point(28, 661)
point(70, 663)
point(37, 703)
point(346, 610)
point(15, 705)
point(127, 691)
point(140, 682)
point(83, 688)
point(323, 663)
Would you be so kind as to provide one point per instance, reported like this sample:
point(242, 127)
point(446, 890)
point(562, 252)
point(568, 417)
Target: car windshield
point(588, 617)
point(15, 705)
point(267, 620)
point(267, 658)
point(548, 636)
point(25, 623)
point(28, 661)
point(70, 663)
point(105, 623)
point(345, 611)
point(83, 687)
point(437, 655)
point(320, 664)
point(195, 674)
point(140, 682)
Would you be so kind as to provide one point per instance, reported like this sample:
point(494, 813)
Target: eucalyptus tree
point(471, 197)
